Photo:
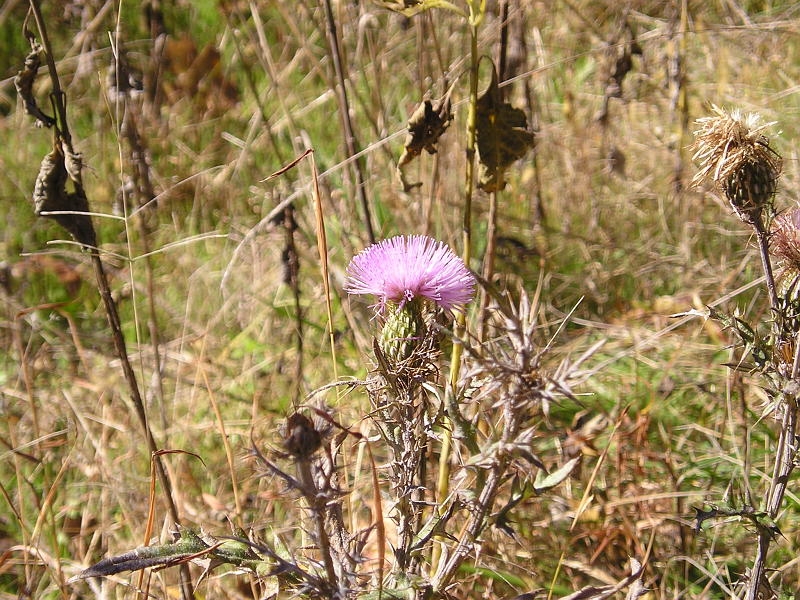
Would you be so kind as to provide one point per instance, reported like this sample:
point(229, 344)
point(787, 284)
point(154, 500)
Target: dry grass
point(621, 231)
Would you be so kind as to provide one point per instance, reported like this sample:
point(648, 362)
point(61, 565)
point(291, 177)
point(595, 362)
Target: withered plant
point(737, 159)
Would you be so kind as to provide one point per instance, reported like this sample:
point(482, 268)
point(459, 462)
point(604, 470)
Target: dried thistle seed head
point(301, 437)
point(735, 155)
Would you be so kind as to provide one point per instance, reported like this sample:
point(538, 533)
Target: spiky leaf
point(147, 556)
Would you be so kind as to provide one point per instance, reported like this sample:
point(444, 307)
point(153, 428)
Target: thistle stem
point(784, 466)
point(785, 452)
point(763, 247)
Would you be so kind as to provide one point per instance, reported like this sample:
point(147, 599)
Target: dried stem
point(763, 247)
point(784, 465)
point(344, 109)
point(316, 505)
point(62, 132)
point(443, 480)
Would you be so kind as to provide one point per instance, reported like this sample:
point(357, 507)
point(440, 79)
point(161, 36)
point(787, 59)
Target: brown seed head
point(301, 438)
point(737, 158)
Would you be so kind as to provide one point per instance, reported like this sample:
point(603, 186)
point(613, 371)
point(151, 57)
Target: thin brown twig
point(491, 232)
point(350, 140)
point(63, 135)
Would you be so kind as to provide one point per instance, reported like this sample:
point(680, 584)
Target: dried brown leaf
point(50, 197)
point(503, 136)
point(425, 126)
point(24, 81)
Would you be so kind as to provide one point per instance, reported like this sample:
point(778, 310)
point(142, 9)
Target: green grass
point(625, 245)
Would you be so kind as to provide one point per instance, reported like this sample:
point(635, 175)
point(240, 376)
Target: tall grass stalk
point(351, 143)
point(476, 9)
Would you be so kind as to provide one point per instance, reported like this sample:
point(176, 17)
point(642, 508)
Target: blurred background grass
point(602, 214)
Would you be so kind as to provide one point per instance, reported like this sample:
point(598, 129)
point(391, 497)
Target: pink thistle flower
point(403, 268)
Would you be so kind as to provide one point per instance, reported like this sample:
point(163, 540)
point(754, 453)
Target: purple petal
point(402, 268)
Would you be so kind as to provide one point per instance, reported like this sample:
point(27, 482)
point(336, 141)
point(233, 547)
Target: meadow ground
point(182, 110)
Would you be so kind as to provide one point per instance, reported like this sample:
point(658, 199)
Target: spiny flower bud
point(402, 331)
point(737, 158)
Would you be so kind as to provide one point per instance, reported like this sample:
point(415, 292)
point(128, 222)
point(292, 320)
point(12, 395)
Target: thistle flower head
point(735, 155)
point(402, 268)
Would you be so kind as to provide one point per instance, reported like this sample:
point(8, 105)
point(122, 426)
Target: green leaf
point(476, 15)
point(545, 482)
point(494, 574)
point(503, 136)
point(147, 556)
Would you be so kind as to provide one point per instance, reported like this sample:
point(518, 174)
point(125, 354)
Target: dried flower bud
point(301, 437)
point(737, 158)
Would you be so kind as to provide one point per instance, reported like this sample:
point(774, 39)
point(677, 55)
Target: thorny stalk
point(784, 465)
point(64, 137)
point(786, 449)
point(316, 505)
point(737, 157)
point(400, 419)
point(316, 483)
